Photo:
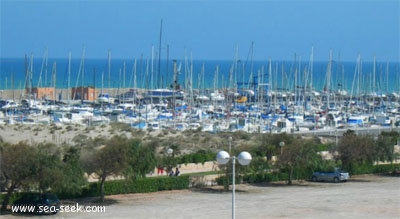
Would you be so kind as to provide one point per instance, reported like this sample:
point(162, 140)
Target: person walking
point(177, 172)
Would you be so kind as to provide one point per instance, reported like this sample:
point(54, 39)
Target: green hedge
point(304, 175)
point(385, 169)
point(376, 169)
point(254, 178)
point(265, 177)
point(145, 185)
point(200, 156)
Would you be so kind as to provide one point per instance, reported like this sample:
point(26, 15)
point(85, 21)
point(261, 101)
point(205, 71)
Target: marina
point(218, 105)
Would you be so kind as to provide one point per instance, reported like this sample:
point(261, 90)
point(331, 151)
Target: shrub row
point(200, 156)
point(376, 169)
point(305, 175)
point(254, 178)
point(145, 185)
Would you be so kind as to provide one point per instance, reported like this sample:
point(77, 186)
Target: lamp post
point(336, 136)
point(230, 144)
point(281, 144)
point(244, 159)
point(169, 152)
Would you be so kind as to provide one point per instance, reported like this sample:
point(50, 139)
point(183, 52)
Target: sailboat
point(105, 97)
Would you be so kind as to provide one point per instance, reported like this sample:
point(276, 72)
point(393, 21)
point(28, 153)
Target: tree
point(142, 159)
point(73, 177)
point(349, 132)
point(265, 146)
point(49, 167)
point(18, 167)
point(108, 160)
point(354, 150)
point(299, 156)
point(385, 145)
point(170, 160)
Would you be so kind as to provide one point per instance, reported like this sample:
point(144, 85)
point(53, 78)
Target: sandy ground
point(42, 133)
point(367, 197)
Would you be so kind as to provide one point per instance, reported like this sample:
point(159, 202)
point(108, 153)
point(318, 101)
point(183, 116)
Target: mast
point(109, 69)
point(83, 74)
point(26, 74)
point(152, 67)
point(45, 68)
point(374, 75)
point(134, 80)
point(53, 74)
point(328, 80)
point(30, 83)
point(44, 65)
point(160, 85)
point(251, 58)
point(94, 83)
point(236, 67)
point(102, 85)
point(167, 67)
point(191, 80)
point(311, 67)
point(12, 85)
point(373, 86)
point(173, 91)
point(123, 83)
point(308, 78)
point(270, 80)
point(69, 76)
point(387, 77)
point(81, 69)
point(119, 81)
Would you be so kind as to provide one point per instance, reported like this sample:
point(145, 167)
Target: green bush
point(384, 169)
point(145, 185)
point(357, 169)
point(255, 178)
point(200, 156)
point(375, 169)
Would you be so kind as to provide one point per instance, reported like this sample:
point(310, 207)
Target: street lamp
point(336, 136)
point(230, 143)
point(281, 144)
point(170, 151)
point(244, 159)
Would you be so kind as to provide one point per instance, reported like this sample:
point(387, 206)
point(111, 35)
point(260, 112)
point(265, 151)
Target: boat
point(357, 120)
point(105, 98)
point(241, 99)
point(163, 93)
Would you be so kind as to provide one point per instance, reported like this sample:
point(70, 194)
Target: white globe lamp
point(223, 157)
point(244, 158)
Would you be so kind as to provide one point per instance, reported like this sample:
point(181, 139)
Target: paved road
point(339, 132)
point(366, 197)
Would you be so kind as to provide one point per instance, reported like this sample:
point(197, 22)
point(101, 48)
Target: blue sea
point(200, 74)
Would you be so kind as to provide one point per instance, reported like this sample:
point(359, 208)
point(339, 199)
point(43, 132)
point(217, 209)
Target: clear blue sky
point(208, 29)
